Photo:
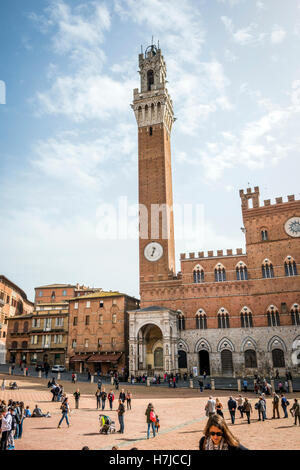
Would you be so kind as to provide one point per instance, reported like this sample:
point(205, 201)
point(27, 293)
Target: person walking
point(103, 398)
point(210, 407)
point(77, 396)
point(261, 408)
point(200, 382)
point(247, 409)
point(65, 408)
point(128, 399)
point(151, 419)
point(121, 411)
point(245, 385)
point(232, 408)
point(240, 404)
point(219, 407)
point(98, 398)
point(286, 386)
point(204, 375)
point(122, 395)
point(174, 381)
point(284, 405)
point(217, 436)
point(295, 411)
point(275, 403)
point(111, 398)
point(3, 385)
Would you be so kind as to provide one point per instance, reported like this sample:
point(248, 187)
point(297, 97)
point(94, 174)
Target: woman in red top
point(111, 398)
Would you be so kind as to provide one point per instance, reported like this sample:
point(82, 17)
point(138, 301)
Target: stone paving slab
point(182, 421)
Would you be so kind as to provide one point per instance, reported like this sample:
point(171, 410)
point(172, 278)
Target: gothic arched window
point(223, 318)
point(198, 274)
point(264, 235)
point(241, 272)
point(201, 320)
point(290, 267)
point(273, 316)
point(150, 79)
point(181, 322)
point(267, 269)
point(220, 273)
point(295, 314)
point(246, 318)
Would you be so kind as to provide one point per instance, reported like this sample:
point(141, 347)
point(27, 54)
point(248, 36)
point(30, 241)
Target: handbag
point(152, 416)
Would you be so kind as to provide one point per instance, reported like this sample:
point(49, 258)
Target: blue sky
point(68, 137)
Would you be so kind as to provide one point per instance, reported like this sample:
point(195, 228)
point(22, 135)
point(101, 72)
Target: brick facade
point(98, 332)
point(220, 297)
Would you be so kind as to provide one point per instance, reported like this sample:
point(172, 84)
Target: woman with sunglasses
point(217, 436)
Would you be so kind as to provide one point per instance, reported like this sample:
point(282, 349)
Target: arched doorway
point(158, 357)
point(182, 359)
point(250, 359)
point(204, 365)
point(150, 349)
point(227, 364)
point(278, 358)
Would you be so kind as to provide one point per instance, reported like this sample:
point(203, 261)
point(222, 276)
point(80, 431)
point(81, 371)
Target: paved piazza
point(181, 413)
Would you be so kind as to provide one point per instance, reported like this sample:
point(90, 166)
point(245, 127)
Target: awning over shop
point(78, 358)
point(104, 357)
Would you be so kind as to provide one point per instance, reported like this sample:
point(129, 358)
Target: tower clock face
point(292, 227)
point(153, 251)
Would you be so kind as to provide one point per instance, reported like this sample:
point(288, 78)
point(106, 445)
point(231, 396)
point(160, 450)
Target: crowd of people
point(244, 406)
point(12, 415)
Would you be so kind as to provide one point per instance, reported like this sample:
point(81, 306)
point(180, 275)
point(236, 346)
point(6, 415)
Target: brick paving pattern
point(181, 413)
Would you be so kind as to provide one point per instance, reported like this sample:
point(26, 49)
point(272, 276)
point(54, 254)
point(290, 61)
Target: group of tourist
point(243, 404)
point(56, 389)
point(12, 415)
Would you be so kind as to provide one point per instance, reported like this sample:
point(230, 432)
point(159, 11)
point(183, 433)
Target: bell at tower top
point(153, 69)
point(152, 103)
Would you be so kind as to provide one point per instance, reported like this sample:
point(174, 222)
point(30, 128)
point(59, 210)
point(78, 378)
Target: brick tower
point(154, 114)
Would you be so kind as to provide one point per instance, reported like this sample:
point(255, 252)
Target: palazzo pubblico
point(223, 313)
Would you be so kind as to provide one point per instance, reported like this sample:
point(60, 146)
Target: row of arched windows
point(246, 318)
point(290, 269)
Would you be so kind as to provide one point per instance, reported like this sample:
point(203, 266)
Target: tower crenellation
point(152, 104)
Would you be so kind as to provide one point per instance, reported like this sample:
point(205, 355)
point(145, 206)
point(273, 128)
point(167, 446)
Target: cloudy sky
point(68, 137)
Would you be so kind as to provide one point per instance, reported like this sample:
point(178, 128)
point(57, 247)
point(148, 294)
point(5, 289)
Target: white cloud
point(82, 161)
point(231, 3)
point(82, 97)
point(229, 56)
point(256, 146)
point(278, 34)
point(244, 36)
point(260, 5)
point(177, 23)
point(250, 35)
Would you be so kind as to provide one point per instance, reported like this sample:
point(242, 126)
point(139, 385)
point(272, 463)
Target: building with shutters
point(223, 313)
point(98, 332)
point(13, 303)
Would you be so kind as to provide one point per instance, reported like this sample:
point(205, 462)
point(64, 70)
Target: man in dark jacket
point(121, 411)
point(232, 408)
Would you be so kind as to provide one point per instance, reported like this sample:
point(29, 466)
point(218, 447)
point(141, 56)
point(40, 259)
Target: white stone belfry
point(153, 105)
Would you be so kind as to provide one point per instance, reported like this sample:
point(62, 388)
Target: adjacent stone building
point(223, 313)
point(13, 302)
point(98, 332)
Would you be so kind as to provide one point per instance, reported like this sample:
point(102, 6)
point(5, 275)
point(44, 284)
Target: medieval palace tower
point(223, 313)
